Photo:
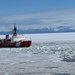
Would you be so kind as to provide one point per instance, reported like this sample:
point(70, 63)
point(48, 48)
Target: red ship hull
point(16, 44)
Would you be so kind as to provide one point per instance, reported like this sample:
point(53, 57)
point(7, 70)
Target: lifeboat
point(14, 41)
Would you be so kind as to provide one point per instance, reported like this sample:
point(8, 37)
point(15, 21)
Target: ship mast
point(15, 29)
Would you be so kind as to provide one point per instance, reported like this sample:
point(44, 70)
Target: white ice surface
point(50, 54)
point(46, 37)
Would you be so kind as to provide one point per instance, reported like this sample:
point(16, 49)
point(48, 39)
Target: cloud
point(39, 20)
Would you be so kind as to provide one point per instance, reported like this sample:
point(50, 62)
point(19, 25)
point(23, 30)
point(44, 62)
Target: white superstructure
point(17, 38)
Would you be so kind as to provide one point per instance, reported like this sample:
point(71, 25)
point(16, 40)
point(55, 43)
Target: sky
point(15, 7)
point(33, 14)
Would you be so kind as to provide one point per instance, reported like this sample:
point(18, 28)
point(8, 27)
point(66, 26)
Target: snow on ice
point(50, 54)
